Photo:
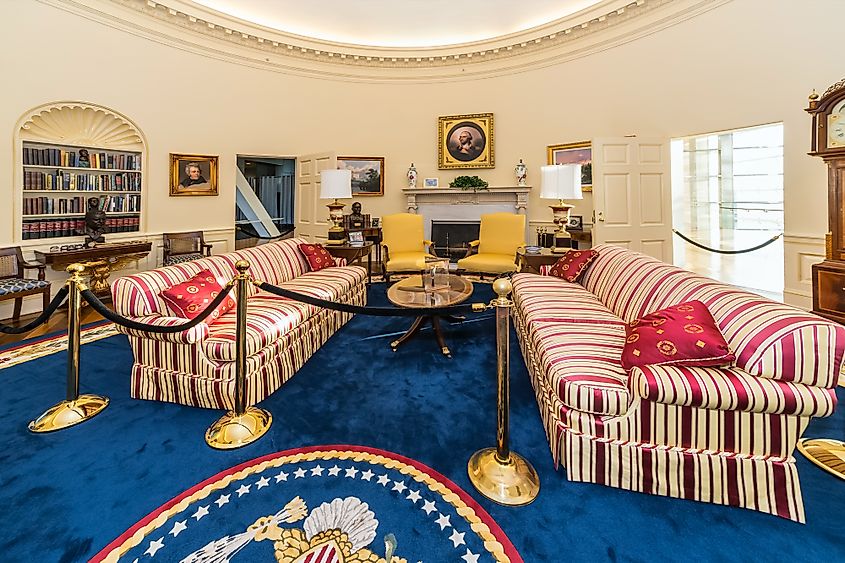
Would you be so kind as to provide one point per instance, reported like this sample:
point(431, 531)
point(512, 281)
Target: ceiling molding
point(192, 27)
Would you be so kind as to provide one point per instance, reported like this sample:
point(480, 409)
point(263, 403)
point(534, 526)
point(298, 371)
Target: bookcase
point(58, 181)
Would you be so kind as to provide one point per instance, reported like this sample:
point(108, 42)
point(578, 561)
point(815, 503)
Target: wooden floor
point(57, 322)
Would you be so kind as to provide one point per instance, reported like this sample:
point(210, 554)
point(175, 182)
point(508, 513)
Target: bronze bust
point(95, 222)
point(356, 219)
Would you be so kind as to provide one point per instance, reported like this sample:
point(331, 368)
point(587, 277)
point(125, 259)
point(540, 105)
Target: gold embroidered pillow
point(188, 299)
point(573, 264)
point(317, 256)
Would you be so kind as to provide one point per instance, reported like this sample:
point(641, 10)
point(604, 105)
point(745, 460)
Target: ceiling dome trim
point(192, 27)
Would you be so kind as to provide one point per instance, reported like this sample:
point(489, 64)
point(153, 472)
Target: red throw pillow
point(685, 334)
point(189, 298)
point(317, 256)
point(573, 264)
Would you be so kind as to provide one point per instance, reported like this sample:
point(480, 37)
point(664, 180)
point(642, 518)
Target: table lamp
point(561, 181)
point(336, 184)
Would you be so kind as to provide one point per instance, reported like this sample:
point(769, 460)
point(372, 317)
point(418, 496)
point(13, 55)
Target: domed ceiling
point(401, 23)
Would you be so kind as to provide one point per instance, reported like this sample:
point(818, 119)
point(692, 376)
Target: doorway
point(727, 207)
point(271, 179)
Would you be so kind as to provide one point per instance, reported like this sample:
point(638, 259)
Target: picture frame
point(465, 141)
point(356, 237)
point(574, 153)
point(193, 174)
point(375, 222)
point(576, 223)
point(367, 174)
point(431, 182)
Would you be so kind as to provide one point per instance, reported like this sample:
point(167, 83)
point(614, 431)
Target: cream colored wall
point(744, 63)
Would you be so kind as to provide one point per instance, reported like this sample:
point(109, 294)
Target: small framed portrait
point(193, 174)
point(576, 223)
point(375, 222)
point(367, 174)
point(356, 237)
point(465, 141)
point(431, 183)
point(574, 153)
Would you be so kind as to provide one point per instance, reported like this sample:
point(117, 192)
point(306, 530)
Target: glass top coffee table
point(411, 293)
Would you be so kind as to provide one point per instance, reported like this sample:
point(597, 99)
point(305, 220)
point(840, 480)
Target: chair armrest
point(474, 243)
point(206, 247)
point(190, 336)
point(729, 389)
point(472, 248)
point(35, 265)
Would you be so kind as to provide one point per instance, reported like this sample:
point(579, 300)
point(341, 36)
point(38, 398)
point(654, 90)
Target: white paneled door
point(632, 196)
point(311, 216)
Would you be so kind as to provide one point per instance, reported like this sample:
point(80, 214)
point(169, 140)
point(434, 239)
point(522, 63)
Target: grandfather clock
point(828, 142)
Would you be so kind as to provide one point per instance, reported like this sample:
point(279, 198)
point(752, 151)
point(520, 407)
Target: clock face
point(836, 130)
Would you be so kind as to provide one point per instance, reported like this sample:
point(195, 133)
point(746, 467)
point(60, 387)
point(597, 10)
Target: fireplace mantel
point(515, 196)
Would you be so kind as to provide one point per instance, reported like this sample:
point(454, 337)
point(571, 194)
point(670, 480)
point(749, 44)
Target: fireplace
point(452, 238)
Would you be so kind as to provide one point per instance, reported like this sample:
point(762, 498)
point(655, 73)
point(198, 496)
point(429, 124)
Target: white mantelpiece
point(516, 198)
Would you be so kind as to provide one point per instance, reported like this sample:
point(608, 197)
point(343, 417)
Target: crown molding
point(191, 27)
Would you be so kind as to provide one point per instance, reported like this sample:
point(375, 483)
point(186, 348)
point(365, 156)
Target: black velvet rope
point(374, 311)
point(42, 318)
point(101, 308)
point(720, 251)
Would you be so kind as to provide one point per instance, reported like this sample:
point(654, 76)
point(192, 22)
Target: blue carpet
point(64, 496)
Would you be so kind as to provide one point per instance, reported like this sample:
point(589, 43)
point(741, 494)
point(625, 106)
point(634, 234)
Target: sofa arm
point(729, 389)
point(190, 336)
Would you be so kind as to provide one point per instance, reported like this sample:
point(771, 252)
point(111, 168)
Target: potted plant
point(473, 183)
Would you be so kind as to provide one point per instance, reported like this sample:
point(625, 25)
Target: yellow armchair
point(403, 247)
point(501, 235)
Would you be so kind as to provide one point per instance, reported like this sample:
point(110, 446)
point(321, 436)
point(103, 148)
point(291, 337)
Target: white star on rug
point(281, 476)
point(334, 471)
point(201, 511)
point(299, 473)
point(178, 528)
point(470, 557)
point(351, 472)
point(428, 506)
point(317, 471)
point(443, 521)
point(224, 499)
point(243, 490)
point(383, 480)
point(414, 497)
point(457, 538)
point(399, 486)
point(367, 475)
point(155, 545)
point(263, 482)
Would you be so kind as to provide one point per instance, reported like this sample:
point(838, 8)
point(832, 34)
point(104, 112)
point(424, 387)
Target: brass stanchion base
point(511, 483)
point(232, 431)
point(69, 413)
point(827, 454)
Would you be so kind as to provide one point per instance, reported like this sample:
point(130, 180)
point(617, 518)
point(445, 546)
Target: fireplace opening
point(451, 238)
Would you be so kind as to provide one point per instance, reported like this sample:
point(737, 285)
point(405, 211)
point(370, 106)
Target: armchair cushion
point(317, 256)
point(684, 334)
point(488, 263)
point(182, 258)
point(188, 299)
point(406, 261)
point(572, 265)
point(16, 285)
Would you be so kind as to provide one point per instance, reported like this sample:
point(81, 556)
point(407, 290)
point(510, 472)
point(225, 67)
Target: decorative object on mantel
point(521, 172)
point(412, 176)
point(431, 183)
point(473, 183)
point(336, 184)
point(561, 182)
point(193, 174)
point(465, 141)
point(574, 153)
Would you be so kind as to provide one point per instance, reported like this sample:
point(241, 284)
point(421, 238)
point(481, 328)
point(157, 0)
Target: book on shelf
point(34, 156)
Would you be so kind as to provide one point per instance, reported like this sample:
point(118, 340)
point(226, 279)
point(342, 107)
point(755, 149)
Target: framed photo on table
point(367, 174)
point(465, 141)
point(431, 183)
point(193, 175)
point(356, 238)
point(574, 153)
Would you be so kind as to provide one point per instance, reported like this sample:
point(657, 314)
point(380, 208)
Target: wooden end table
point(410, 293)
point(531, 261)
point(354, 253)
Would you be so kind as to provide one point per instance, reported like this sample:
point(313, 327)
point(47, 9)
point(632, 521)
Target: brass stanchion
point(245, 424)
point(77, 408)
point(826, 453)
point(498, 473)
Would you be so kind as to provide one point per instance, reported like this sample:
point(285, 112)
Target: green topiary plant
point(468, 183)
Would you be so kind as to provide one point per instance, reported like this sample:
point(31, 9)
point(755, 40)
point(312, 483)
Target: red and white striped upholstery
point(721, 435)
point(197, 367)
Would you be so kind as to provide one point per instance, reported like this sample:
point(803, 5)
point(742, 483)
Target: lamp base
point(337, 234)
point(512, 482)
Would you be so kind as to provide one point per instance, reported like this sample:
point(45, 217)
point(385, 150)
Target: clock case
point(829, 275)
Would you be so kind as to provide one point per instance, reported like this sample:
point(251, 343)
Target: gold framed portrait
point(193, 175)
point(574, 153)
point(465, 141)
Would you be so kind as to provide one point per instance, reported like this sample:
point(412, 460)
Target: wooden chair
point(13, 284)
point(184, 247)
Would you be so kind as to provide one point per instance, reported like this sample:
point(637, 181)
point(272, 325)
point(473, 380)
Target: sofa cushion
point(190, 298)
point(572, 265)
point(546, 298)
point(684, 334)
point(317, 256)
point(580, 361)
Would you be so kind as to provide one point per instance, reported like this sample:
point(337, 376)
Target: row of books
point(52, 228)
point(50, 205)
point(61, 180)
point(70, 159)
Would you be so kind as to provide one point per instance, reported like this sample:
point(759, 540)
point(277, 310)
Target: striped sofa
point(719, 435)
point(196, 367)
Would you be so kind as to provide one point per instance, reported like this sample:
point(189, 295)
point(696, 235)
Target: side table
point(531, 261)
point(354, 254)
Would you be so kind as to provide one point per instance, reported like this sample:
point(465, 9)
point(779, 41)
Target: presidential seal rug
point(325, 504)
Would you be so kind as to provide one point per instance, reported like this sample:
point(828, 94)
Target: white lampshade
point(335, 184)
point(561, 181)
